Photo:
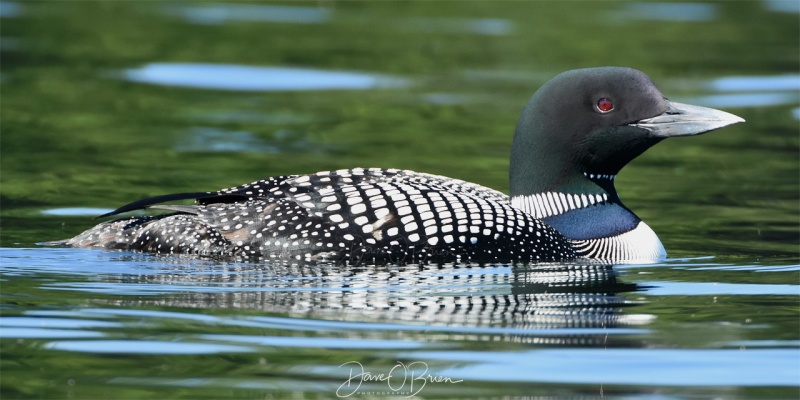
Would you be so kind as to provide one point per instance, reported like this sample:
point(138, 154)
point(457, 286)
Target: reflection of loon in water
point(519, 303)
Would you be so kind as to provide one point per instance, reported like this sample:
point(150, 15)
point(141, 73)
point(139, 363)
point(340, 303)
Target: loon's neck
point(588, 211)
point(580, 194)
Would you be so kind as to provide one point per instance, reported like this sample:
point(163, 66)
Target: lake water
point(105, 103)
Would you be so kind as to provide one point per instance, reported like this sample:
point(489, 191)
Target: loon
point(575, 134)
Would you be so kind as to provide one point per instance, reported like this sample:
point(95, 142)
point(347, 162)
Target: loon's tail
point(170, 233)
point(112, 235)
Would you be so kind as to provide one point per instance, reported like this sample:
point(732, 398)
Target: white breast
point(639, 245)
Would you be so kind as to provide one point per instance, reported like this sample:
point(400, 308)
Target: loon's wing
point(140, 204)
point(269, 189)
point(382, 198)
point(291, 186)
point(181, 209)
point(452, 185)
point(287, 186)
point(200, 197)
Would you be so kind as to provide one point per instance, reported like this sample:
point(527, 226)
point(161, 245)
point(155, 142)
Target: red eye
point(604, 105)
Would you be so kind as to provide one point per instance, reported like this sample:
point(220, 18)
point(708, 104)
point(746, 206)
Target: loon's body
point(575, 134)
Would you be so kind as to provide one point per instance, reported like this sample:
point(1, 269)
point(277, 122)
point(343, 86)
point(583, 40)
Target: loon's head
point(577, 132)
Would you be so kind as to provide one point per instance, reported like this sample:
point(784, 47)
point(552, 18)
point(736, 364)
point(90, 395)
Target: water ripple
point(784, 6)
point(220, 13)
point(144, 347)
point(663, 288)
point(667, 11)
point(76, 211)
point(9, 9)
point(671, 367)
point(786, 82)
point(251, 78)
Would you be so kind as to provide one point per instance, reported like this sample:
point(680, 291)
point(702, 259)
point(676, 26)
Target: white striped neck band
point(547, 204)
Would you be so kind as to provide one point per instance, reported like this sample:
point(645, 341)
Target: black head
point(595, 121)
point(579, 122)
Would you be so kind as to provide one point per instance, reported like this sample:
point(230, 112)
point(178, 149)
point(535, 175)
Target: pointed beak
point(686, 120)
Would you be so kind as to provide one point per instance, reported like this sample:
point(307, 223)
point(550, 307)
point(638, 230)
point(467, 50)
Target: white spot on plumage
point(381, 213)
point(419, 200)
point(378, 203)
point(354, 200)
point(425, 215)
point(358, 208)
